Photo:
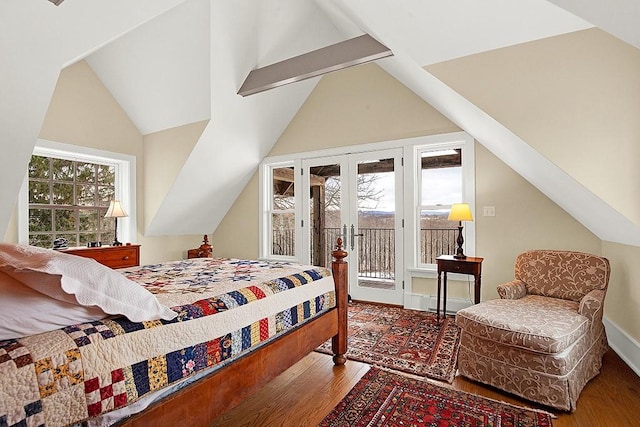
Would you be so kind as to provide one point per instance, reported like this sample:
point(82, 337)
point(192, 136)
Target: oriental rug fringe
point(384, 399)
point(404, 340)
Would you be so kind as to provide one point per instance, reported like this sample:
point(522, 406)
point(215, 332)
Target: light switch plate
point(489, 211)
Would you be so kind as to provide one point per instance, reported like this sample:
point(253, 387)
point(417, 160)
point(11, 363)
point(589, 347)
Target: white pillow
point(84, 281)
point(24, 311)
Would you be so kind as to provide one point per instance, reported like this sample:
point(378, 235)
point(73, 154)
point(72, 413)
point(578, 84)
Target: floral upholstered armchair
point(544, 338)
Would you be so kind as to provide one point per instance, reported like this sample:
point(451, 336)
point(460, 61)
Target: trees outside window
point(68, 199)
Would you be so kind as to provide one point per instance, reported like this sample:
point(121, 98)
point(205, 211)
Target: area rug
point(386, 399)
point(404, 340)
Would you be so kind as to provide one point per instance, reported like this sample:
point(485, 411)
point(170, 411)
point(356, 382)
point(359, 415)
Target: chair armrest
point(512, 290)
point(592, 304)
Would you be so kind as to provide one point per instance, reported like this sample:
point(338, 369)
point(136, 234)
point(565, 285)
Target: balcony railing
point(283, 242)
point(376, 258)
point(435, 242)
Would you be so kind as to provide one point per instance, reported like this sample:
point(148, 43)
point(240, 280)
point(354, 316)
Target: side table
point(450, 264)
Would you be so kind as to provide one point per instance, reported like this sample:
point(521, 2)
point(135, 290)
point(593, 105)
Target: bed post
point(340, 277)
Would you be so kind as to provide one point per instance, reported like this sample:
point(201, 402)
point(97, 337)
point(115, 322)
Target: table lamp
point(460, 212)
point(115, 211)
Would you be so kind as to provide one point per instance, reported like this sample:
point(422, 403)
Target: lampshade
point(460, 212)
point(115, 210)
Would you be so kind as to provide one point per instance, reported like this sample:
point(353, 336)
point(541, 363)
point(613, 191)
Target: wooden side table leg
point(477, 289)
point(438, 298)
point(444, 296)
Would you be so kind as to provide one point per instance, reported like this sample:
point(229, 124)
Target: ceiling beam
point(355, 51)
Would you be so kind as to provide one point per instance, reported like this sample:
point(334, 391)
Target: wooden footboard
point(208, 398)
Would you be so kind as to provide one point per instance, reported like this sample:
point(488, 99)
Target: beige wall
point(357, 105)
point(237, 234)
point(623, 299)
point(365, 104)
point(83, 112)
point(165, 153)
point(525, 219)
point(575, 98)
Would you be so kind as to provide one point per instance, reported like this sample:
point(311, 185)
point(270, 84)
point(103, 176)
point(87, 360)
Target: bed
point(175, 343)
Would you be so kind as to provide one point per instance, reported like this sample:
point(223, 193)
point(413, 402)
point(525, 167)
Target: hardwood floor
point(307, 391)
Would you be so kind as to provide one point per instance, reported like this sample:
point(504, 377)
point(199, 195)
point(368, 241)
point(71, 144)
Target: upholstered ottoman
point(539, 347)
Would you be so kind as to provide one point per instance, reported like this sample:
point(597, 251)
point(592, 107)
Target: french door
point(358, 197)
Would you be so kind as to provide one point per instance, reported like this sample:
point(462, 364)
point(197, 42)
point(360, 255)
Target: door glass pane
point(376, 224)
point(324, 212)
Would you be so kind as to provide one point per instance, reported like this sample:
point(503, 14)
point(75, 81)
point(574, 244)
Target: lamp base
point(459, 251)
point(115, 235)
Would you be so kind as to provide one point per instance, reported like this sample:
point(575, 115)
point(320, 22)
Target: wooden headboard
point(204, 251)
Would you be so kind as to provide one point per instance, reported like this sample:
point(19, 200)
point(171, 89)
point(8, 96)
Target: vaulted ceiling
point(175, 62)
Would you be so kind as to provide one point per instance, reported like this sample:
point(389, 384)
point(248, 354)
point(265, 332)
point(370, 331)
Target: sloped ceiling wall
point(37, 40)
point(617, 17)
point(573, 98)
point(160, 72)
point(601, 218)
point(202, 50)
point(241, 131)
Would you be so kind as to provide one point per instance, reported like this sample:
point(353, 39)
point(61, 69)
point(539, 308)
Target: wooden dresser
point(111, 256)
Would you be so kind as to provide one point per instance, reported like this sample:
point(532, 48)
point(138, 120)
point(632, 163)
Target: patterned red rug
point(404, 340)
point(385, 399)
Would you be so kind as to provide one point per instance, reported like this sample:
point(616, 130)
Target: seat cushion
point(536, 323)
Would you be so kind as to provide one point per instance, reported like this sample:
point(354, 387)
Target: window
point(281, 212)
point(440, 185)
point(68, 199)
point(441, 172)
point(67, 193)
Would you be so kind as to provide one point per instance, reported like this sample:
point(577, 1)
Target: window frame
point(467, 196)
point(125, 183)
point(266, 209)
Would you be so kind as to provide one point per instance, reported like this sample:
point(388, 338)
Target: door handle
point(353, 236)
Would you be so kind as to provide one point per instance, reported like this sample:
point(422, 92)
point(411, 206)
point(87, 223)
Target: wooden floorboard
point(307, 391)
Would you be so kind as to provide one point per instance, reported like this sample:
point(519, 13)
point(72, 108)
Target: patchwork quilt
point(225, 306)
